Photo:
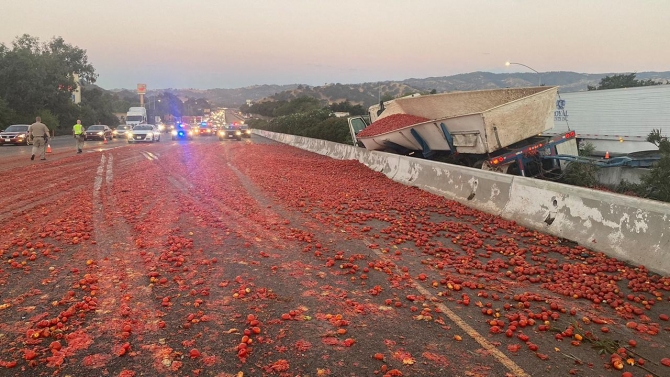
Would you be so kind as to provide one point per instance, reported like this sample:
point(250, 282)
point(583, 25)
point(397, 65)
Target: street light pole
point(538, 73)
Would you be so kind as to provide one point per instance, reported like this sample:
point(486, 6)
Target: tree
point(99, 107)
point(298, 105)
point(347, 107)
point(38, 76)
point(656, 182)
point(7, 115)
point(622, 81)
point(173, 105)
point(387, 97)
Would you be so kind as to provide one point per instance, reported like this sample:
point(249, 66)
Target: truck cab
point(136, 115)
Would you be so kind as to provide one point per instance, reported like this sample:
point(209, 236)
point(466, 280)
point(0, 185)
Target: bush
point(630, 189)
point(316, 124)
point(582, 174)
point(49, 119)
point(656, 182)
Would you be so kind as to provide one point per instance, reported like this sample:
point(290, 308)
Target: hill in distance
point(369, 93)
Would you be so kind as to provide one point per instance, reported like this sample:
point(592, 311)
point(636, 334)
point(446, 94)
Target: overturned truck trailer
point(491, 129)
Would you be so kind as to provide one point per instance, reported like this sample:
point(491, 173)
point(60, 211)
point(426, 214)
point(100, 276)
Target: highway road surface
point(251, 258)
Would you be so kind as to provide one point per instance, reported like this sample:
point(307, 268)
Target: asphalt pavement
point(252, 258)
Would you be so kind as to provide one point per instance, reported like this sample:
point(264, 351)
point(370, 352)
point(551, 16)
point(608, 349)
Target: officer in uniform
point(39, 132)
point(78, 132)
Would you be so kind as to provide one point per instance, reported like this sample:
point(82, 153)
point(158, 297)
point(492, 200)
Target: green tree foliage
point(387, 97)
point(582, 174)
point(7, 115)
point(97, 107)
point(621, 81)
point(656, 182)
point(298, 105)
point(195, 107)
point(318, 124)
point(332, 129)
point(171, 104)
point(49, 119)
point(347, 107)
point(38, 76)
point(266, 108)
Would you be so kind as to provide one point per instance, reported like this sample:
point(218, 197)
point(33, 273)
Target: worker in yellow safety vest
point(78, 132)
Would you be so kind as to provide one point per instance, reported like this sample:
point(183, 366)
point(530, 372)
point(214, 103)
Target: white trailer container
point(614, 120)
point(136, 115)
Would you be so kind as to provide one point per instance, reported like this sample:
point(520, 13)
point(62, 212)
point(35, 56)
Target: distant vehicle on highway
point(121, 130)
point(205, 129)
point(182, 134)
point(136, 115)
point(230, 131)
point(246, 132)
point(98, 131)
point(15, 134)
point(144, 132)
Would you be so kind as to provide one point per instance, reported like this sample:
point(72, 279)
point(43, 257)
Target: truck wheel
point(479, 164)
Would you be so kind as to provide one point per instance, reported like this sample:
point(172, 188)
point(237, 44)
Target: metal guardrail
point(644, 162)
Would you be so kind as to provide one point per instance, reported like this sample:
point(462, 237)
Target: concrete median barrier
point(632, 229)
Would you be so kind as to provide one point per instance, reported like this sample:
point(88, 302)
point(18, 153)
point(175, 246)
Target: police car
point(230, 131)
point(182, 133)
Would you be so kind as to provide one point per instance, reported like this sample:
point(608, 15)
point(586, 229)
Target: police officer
point(78, 132)
point(39, 132)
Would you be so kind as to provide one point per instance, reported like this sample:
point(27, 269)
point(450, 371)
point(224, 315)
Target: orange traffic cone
point(607, 155)
point(105, 140)
point(48, 148)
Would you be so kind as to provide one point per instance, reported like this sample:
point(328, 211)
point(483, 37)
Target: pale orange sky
point(229, 44)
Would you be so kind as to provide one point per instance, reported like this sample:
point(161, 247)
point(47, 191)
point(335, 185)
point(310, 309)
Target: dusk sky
point(230, 44)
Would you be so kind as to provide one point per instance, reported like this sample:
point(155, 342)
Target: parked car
point(121, 130)
point(230, 131)
point(144, 132)
point(15, 134)
point(98, 131)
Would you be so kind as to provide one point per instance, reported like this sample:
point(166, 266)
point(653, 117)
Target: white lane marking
point(150, 156)
point(98, 177)
point(476, 336)
point(101, 149)
point(109, 174)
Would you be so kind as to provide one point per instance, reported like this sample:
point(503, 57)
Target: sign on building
point(76, 93)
